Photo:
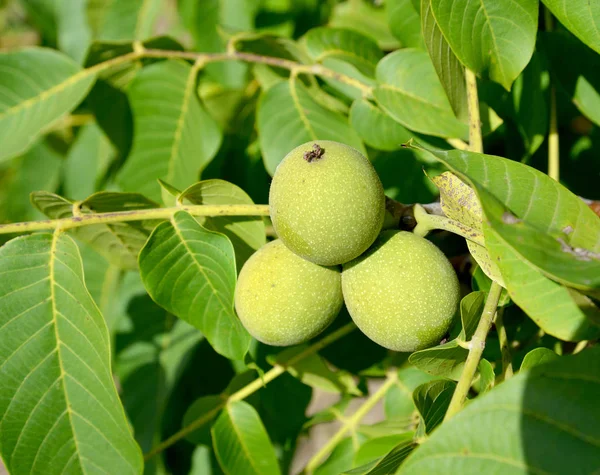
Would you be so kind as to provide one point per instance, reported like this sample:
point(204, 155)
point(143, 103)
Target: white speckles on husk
point(285, 300)
point(403, 293)
point(330, 209)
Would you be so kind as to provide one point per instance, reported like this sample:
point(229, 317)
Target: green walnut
point(402, 293)
point(326, 202)
point(285, 300)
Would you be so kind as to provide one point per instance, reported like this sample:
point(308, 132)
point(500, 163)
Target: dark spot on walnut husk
point(314, 154)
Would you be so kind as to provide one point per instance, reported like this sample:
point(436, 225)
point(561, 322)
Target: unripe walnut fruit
point(326, 202)
point(402, 293)
point(285, 300)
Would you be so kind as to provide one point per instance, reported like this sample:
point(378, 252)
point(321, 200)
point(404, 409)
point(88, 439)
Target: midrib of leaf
point(407, 94)
point(141, 14)
point(200, 267)
point(189, 89)
point(241, 439)
point(299, 108)
point(54, 322)
point(57, 88)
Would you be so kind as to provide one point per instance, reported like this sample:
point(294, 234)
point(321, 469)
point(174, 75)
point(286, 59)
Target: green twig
point(507, 368)
point(476, 345)
point(250, 388)
point(135, 215)
point(352, 422)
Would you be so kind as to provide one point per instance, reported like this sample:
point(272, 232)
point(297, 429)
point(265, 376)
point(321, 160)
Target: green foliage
point(138, 142)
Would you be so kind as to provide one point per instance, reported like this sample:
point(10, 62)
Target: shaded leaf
point(58, 404)
point(537, 357)
point(206, 407)
point(366, 18)
point(174, 138)
point(86, 162)
point(375, 449)
point(575, 69)
point(190, 272)
point(551, 405)
point(405, 22)
point(477, 33)
point(314, 372)
point(581, 17)
point(341, 458)
point(410, 92)
point(125, 19)
point(393, 460)
point(346, 45)
point(487, 377)
point(119, 242)
point(287, 116)
point(241, 442)
point(447, 360)
point(398, 402)
point(432, 400)
point(447, 66)
point(29, 101)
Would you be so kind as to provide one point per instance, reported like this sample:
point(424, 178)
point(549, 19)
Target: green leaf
point(59, 407)
point(537, 357)
point(346, 45)
point(38, 169)
point(341, 458)
point(149, 368)
point(202, 407)
point(460, 203)
point(287, 116)
point(247, 233)
point(314, 372)
point(375, 449)
point(581, 17)
point(125, 19)
point(405, 23)
point(119, 242)
point(410, 92)
point(487, 377)
point(376, 128)
point(190, 271)
point(559, 311)
point(552, 405)
point(398, 402)
point(73, 32)
point(174, 138)
point(493, 39)
point(530, 100)
point(366, 18)
point(447, 66)
point(448, 360)
point(30, 102)
point(391, 462)
point(87, 162)
point(560, 221)
point(432, 400)
point(241, 442)
point(575, 69)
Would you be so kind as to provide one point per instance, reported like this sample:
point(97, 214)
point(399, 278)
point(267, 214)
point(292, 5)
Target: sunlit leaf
point(190, 271)
point(581, 17)
point(551, 405)
point(59, 407)
point(409, 90)
point(174, 138)
point(405, 23)
point(494, 39)
point(288, 116)
point(29, 101)
point(537, 357)
point(241, 442)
